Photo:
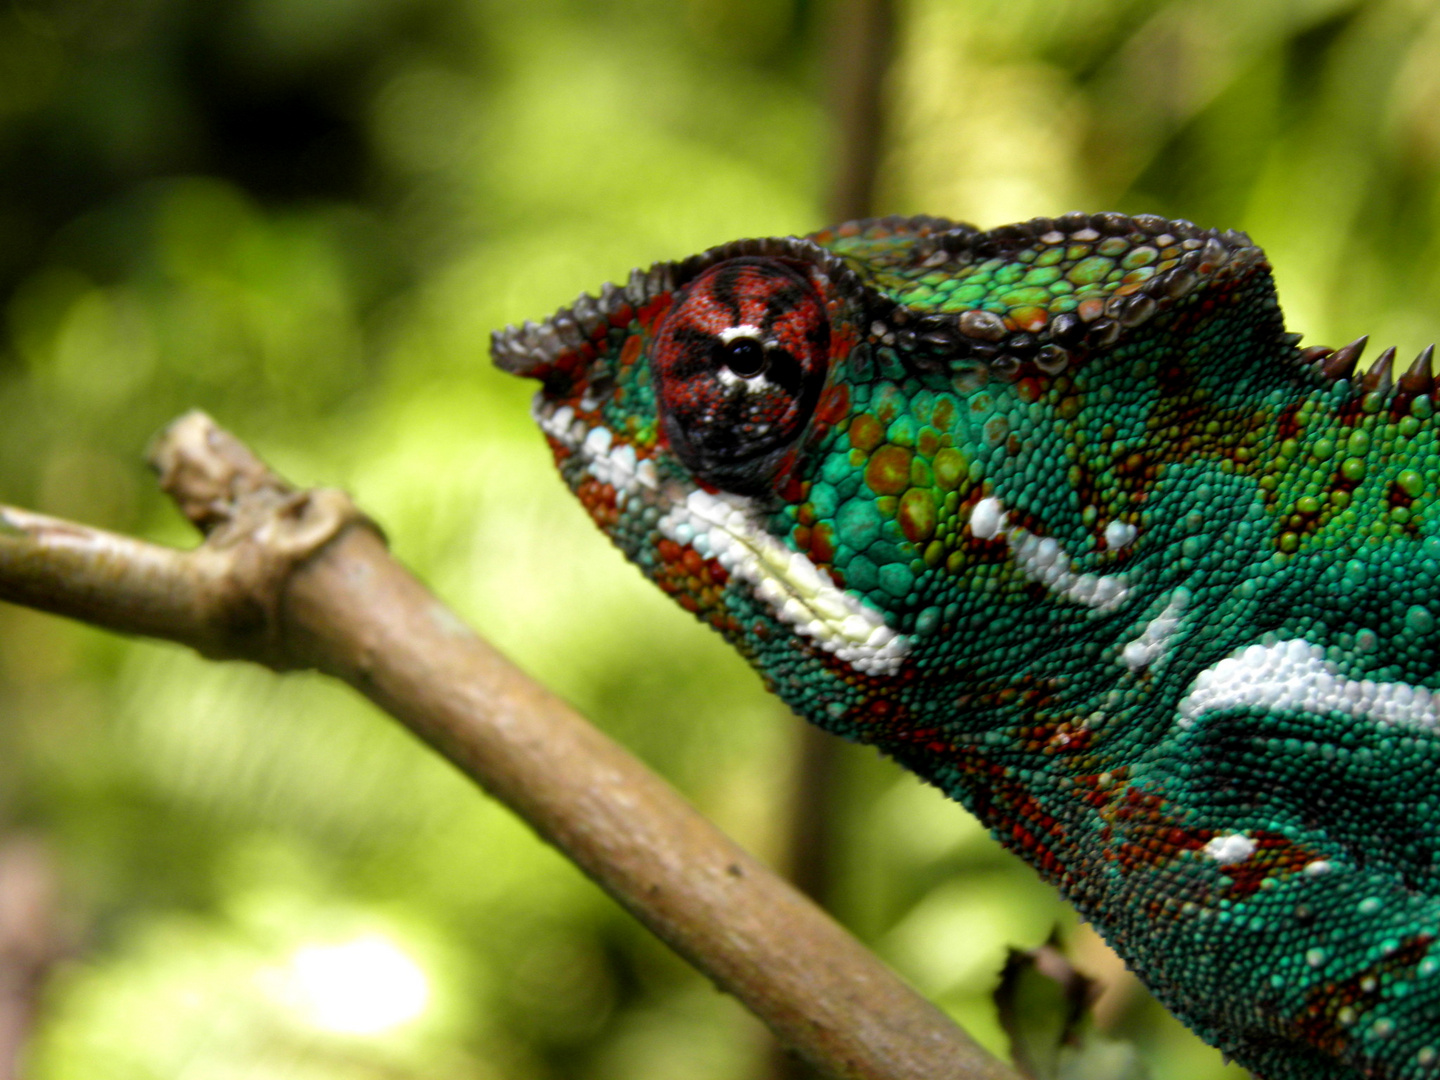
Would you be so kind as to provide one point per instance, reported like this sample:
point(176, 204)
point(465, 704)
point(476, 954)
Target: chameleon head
point(685, 411)
point(839, 450)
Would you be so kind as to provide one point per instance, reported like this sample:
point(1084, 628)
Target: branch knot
point(258, 530)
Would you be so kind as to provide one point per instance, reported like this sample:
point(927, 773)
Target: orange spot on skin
point(630, 351)
point(917, 515)
point(888, 471)
point(866, 432)
point(944, 414)
point(1030, 319)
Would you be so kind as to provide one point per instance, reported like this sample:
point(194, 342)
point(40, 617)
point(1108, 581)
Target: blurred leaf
point(1044, 1005)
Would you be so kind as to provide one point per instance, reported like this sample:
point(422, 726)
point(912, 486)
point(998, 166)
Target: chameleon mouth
point(726, 527)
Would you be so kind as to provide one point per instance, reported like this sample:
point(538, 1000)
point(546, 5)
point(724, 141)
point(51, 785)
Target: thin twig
point(301, 579)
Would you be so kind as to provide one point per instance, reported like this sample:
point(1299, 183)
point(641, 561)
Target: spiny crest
point(1418, 380)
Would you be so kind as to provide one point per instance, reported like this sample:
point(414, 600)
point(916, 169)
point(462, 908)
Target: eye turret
point(740, 361)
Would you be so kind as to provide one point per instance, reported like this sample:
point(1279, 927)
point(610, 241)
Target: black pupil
point(744, 356)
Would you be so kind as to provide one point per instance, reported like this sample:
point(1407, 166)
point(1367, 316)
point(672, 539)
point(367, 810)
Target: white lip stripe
point(797, 591)
point(1295, 675)
point(722, 527)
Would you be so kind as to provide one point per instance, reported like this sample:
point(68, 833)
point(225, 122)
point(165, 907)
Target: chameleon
point(1062, 518)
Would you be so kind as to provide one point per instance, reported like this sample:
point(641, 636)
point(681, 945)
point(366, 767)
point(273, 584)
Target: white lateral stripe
point(1230, 848)
point(1119, 535)
point(1042, 559)
point(1155, 638)
point(1295, 675)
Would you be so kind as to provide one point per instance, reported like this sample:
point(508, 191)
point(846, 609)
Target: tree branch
point(301, 579)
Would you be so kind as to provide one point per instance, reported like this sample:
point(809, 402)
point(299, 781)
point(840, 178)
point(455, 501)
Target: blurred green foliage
point(306, 216)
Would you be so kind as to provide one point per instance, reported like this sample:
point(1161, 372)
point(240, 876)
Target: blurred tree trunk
point(858, 54)
point(862, 37)
point(30, 941)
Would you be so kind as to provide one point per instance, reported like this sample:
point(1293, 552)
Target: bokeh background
point(305, 216)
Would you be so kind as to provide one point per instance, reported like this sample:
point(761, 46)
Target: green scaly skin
point(1061, 518)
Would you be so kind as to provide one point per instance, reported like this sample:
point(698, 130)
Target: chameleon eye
point(740, 361)
point(744, 356)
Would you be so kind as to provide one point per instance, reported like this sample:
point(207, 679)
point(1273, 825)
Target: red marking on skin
point(1102, 789)
point(599, 500)
point(693, 562)
point(630, 351)
point(1275, 855)
point(793, 490)
point(1067, 739)
point(834, 405)
point(1012, 810)
point(822, 544)
point(698, 402)
point(624, 315)
point(1319, 1023)
point(1352, 412)
point(1287, 424)
point(654, 310)
point(571, 363)
point(696, 583)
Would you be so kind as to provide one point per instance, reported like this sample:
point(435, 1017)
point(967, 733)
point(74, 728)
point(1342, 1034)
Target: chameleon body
point(1061, 517)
